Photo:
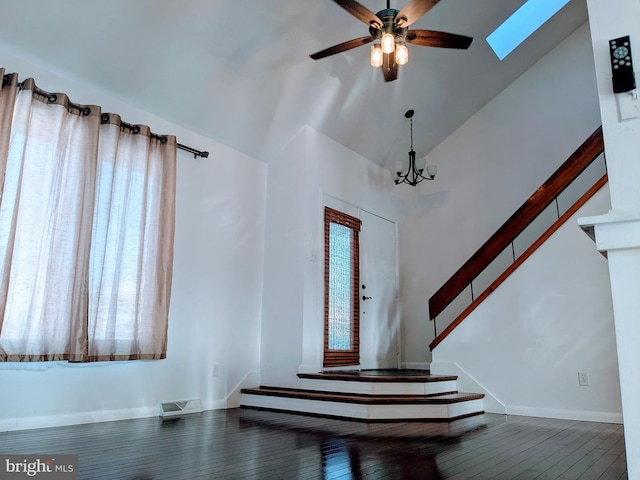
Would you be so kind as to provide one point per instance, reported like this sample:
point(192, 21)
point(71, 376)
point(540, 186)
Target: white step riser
point(378, 388)
point(364, 412)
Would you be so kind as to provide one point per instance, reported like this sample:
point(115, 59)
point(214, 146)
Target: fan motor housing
point(388, 18)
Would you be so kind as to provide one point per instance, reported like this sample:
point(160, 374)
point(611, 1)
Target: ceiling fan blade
point(361, 12)
point(389, 67)
point(431, 38)
point(342, 47)
point(413, 10)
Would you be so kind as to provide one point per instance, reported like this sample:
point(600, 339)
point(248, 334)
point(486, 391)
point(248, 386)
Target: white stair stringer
point(491, 403)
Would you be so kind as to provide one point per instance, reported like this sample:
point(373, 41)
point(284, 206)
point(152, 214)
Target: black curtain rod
point(52, 97)
point(136, 129)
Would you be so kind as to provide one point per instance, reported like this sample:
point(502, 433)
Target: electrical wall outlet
point(583, 379)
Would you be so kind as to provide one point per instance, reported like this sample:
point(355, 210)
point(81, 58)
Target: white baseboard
point(251, 379)
point(467, 383)
point(214, 405)
point(583, 416)
point(416, 365)
point(310, 368)
point(46, 421)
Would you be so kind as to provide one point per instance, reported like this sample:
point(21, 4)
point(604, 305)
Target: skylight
point(526, 20)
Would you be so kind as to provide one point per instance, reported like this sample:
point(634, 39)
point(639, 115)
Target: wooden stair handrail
point(532, 207)
point(520, 260)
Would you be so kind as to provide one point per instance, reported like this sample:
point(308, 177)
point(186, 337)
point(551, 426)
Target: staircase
point(580, 177)
point(370, 396)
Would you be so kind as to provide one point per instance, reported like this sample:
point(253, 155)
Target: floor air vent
point(182, 407)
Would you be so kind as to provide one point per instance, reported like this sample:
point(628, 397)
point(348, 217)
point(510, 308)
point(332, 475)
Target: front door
point(379, 317)
point(376, 320)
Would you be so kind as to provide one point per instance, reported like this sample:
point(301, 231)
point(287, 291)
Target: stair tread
point(387, 376)
point(434, 399)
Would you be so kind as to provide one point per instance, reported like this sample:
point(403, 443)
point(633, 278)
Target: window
point(519, 26)
point(341, 294)
point(87, 213)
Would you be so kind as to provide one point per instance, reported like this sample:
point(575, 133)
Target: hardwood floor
point(254, 444)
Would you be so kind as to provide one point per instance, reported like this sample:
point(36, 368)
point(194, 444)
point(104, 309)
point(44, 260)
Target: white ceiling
point(239, 72)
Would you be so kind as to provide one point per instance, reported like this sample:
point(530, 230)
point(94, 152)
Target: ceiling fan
point(389, 33)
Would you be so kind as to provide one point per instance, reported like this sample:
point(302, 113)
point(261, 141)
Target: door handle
point(365, 298)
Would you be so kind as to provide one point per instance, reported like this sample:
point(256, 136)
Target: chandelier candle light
point(413, 175)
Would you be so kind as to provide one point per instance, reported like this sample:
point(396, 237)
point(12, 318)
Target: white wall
point(336, 173)
point(552, 318)
point(282, 303)
point(216, 298)
point(309, 169)
point(487, 169)
point(227, 239)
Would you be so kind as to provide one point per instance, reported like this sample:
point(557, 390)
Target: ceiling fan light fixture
point(388, 42)
point(390, 34)
point(402, 53)
point(376, 55)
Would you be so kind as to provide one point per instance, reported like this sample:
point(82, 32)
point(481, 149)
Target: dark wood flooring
point(251, 444)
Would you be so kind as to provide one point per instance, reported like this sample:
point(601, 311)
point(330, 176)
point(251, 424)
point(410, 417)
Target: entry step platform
point(370, 396)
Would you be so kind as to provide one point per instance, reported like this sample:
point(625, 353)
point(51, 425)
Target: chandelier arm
point(419, 173)
point(413, 176)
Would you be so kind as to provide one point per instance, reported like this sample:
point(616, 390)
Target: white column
point(618, 231)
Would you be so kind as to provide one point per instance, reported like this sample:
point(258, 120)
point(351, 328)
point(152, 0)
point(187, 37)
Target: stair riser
point(378, 388)
point(365, 412)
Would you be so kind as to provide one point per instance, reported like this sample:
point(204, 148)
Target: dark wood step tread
point(387, 376)
point(435, 399)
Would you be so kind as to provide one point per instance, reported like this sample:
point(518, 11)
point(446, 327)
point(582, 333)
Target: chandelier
point(413, 175)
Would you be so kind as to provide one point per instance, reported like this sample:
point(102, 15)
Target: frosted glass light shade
point(388, 42)
point(402, 54)
point(432, 170)
point(420, 163)
point(376, 55)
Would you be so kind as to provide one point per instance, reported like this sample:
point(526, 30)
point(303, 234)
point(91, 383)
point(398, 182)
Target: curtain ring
point(86, 111)
point(104, 118)
point(163, 139)
point(52, 98)
point(136, 129)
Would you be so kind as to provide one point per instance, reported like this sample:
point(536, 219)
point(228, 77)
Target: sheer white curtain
point(86, 233)
point(132, 252)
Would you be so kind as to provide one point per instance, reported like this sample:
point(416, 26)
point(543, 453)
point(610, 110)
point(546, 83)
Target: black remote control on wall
point(624, 79)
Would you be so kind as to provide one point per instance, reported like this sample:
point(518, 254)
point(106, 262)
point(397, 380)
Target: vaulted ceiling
point(239, 72)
